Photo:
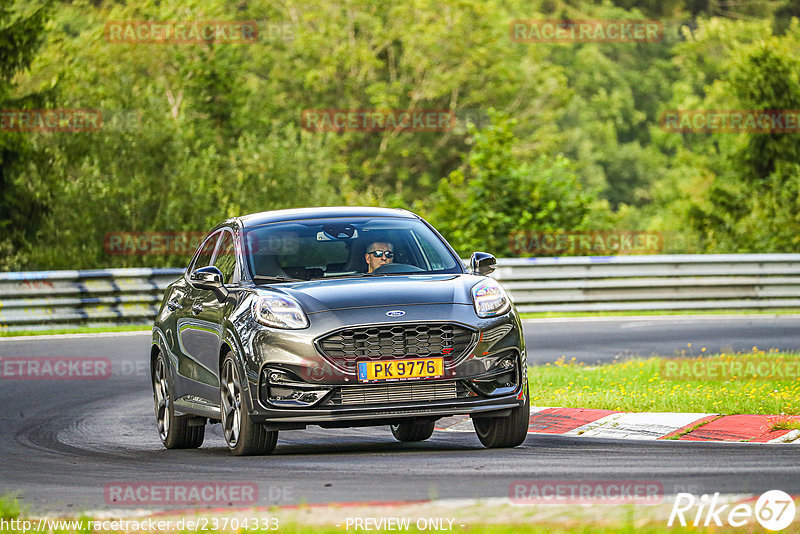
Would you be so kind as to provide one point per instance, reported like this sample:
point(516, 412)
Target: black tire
point(413, 430)
point(243, 436)
point(500, 432)
point(175, 431)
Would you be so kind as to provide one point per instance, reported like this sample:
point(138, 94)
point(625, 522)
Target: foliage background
point(550, 137)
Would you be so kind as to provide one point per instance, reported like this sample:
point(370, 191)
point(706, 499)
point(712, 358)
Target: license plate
point(401, 369)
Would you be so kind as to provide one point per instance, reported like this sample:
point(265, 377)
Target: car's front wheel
point(243, 436)
point(176, 432)
point(413, 430)
point(509, 431)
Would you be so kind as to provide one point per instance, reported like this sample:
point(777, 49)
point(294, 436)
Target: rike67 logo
point(774, 510)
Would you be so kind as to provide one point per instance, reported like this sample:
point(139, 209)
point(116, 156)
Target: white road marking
point(647, 425)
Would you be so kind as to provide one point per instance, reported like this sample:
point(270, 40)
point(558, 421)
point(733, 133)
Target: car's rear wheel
point(413, 430)
point(176, 432)
point(510, 431)
point(243, 436)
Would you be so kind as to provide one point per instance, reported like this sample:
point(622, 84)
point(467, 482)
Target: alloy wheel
point(161, 396)
point(231, 404)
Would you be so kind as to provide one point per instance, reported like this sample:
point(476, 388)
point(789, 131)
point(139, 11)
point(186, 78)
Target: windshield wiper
point(354, 275)
point(267, 279)
point(366, 275)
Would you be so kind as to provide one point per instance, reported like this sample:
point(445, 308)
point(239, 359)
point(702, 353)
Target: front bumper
point(328, 394)
point(385, 402)
point(382, 414)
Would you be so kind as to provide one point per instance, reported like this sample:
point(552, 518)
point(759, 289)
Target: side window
point(226, 257)
point(206, 252)
point(434, 252)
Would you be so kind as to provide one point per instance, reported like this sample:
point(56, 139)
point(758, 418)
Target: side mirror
point(482, 263)
point(209, 278)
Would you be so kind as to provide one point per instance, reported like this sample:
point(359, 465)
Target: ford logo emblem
point(395, 313)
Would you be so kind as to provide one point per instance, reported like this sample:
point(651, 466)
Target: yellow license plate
point(401, 369)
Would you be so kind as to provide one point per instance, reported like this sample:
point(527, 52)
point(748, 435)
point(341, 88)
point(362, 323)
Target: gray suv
point(337, 317)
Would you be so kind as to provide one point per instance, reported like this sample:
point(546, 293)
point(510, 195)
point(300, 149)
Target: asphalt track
point(604, 339)
point(63, 441)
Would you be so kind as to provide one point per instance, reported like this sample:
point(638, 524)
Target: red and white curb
point(648, 425)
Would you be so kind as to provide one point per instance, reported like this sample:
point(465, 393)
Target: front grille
point(345, 347)
point(391, 393)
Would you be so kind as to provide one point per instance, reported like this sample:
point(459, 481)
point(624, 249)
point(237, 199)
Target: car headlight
point(490, 298)
point(279, 311)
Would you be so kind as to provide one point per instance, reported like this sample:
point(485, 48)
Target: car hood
point(396, 290)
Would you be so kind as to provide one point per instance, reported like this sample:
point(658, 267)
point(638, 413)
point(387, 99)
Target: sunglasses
point(380, 253)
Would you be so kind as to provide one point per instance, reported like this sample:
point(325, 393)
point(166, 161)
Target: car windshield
point(324, 248)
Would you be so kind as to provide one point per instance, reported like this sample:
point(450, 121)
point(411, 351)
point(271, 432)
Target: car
point(336, 317)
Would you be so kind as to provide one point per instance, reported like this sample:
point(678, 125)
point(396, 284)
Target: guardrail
point(45, 300)
point(657, 282)
point(61, 299)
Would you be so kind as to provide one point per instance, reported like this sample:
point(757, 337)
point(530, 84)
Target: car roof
point(255, 219)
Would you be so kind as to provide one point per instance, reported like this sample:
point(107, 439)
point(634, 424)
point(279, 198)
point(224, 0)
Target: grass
point(689, 430)
point(638, 385)
point(76, 330)
point(9, 507)
point(786, 424)
point(10, 510)
point(12, 518)
point(477, 518)
point(632, 313)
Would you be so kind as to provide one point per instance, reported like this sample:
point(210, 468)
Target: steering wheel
point(389, 268)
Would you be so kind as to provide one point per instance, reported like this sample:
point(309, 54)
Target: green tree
point(194, 133)
point(755, 200)
point(496, 195)
point(23, 203)
point(186, 142)
point(697, 184)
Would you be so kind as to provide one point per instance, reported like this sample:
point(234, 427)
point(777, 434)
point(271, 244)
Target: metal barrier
point(657, 282)
point(45, 300)
point(61, 299)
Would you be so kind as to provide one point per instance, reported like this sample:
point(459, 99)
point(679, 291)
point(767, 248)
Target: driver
point(379, 253)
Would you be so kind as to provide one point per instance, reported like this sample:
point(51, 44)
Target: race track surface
point(64, 440)
point(603, 339)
